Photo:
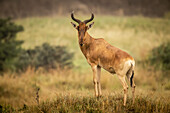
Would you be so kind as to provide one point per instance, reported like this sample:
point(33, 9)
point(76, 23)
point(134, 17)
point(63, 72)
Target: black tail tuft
point(131, 78)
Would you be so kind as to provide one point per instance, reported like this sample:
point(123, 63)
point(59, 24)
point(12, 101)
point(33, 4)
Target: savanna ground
point(72, 90)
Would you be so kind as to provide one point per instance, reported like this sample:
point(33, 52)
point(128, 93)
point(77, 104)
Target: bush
point(9, 47)
point(45, 56)
point(160, 56)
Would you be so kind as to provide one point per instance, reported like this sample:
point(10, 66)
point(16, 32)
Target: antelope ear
point(90, 25)
point(74, 25)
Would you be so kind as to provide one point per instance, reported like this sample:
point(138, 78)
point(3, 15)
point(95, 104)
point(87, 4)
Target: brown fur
point(101, 53)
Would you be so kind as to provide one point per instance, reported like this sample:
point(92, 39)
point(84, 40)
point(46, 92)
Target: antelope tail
point(131, 78)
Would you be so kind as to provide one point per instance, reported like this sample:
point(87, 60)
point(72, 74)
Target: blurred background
point(39, 49)
point(27, 8)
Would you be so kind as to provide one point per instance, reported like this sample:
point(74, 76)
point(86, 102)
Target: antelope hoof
point(100, 96)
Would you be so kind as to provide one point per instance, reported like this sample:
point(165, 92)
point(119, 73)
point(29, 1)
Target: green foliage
point(45, 56)
point(9, 47)
point(160, 56)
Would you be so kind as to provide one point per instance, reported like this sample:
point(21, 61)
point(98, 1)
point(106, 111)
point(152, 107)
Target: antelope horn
point(92, 17)
point(72, 16)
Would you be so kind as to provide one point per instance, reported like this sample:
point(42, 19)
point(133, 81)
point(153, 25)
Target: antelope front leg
point(95, 80)
point(98, 76)
point(125, 87)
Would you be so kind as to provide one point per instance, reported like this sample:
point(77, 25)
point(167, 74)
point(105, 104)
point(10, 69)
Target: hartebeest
point(99, 53)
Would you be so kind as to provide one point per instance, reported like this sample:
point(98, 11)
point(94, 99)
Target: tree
point(9, 46)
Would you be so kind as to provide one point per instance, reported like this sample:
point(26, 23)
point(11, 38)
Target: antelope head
point(82, 27)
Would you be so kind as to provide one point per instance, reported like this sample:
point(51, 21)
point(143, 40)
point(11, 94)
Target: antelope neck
point(87, 39)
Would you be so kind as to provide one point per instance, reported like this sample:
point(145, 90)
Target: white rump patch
point(129, 62)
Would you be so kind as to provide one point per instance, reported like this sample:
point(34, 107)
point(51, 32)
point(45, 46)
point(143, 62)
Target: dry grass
point(67, 91)
point(107, 103)
point(17, 90)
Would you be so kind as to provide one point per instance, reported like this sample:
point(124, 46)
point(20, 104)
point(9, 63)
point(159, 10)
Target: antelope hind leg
point(125, 87)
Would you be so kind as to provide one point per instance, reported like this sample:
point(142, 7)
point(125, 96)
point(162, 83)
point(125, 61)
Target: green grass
point(136, 35)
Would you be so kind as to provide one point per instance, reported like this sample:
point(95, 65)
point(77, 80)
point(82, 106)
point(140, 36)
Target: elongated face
point(82, 27)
